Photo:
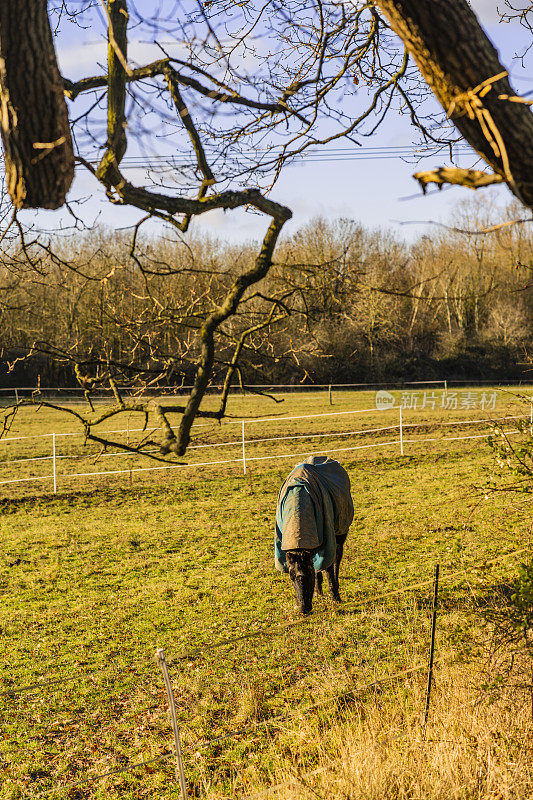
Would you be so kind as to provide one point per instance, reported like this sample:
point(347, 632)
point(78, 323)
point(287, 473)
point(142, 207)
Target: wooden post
point(329, 395)
point(180, 773)
point(432, 645)
point(16, 395)
point(401, 432)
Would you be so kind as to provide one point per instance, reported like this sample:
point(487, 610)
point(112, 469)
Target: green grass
point(93, 581)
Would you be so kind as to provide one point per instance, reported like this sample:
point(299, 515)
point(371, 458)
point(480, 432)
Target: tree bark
point(455, 56)
point(39, 158)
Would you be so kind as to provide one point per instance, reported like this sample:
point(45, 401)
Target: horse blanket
point(314, 507)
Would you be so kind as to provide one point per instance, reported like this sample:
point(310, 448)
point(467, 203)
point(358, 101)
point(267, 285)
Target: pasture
point(95, 578)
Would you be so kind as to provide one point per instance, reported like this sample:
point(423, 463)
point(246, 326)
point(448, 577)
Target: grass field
point(93, 580)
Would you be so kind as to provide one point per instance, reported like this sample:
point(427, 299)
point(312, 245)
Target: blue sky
point(372, 191)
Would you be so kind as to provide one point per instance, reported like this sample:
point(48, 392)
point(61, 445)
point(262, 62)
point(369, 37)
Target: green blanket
point(314, 507)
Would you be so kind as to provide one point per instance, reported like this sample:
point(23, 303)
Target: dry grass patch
point(375, 749)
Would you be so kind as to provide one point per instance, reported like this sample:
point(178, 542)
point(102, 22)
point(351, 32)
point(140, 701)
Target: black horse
point(314, 513)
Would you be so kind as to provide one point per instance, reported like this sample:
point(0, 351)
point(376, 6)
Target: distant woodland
point(341, 304)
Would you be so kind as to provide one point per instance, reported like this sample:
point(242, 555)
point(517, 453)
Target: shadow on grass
point(116, 496)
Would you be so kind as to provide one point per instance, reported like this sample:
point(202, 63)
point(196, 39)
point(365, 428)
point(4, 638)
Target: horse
point(314, 512)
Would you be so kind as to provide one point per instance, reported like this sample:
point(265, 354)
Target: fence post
point(179, 772)
point(401, 432)
point(531, 419)
point(16, 395)
point(329, 395)
point(128, 443)
point(445, 386)
point(432, 644)
point(54, 461)
point(243, 451)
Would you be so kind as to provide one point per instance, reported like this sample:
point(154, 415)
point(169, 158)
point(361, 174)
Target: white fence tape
point(455, 438)
point(54, 457)
point(466, 421)
point(323, 452)
point(238, 443)
point(28, 480)
point(329, 435)
point(206, 463)
point(153, 469)
point(25, 460)
point(252, 420)
point(311, 416)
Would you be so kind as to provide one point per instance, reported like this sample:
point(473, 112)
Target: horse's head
point(302, 575)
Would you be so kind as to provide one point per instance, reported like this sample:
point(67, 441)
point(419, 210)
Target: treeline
point(341, 304)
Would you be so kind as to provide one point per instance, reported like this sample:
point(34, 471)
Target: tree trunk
point(39, 159)
point(455, 56)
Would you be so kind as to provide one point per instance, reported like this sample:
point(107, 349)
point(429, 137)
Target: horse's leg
point(333, 571)
point(338, 557)
point(319, 579)
point(333, 584)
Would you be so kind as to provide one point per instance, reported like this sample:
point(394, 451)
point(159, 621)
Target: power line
point(326, 155)
point(315, 152)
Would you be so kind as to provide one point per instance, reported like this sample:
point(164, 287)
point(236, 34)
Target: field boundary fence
point(21, 392)
point(284, 716)
point(244, 444)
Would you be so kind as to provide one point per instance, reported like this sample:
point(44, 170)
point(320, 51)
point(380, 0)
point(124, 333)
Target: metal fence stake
point(54, 461)
point(401, 432)
point(180, 772)
point(432, 645)
point(128, 443)
point(243, 451)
